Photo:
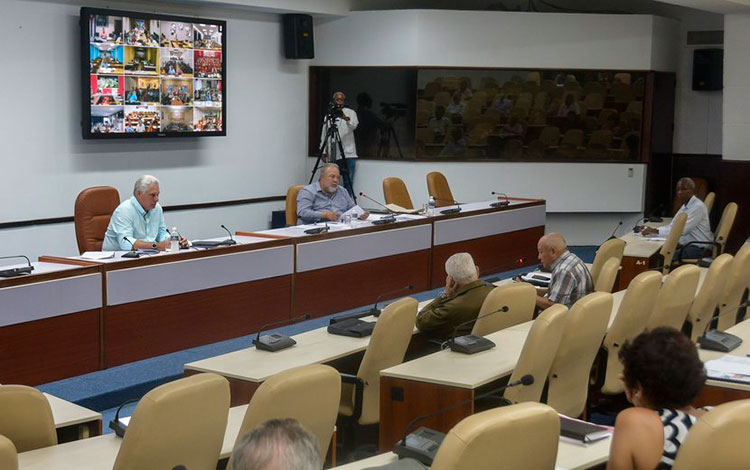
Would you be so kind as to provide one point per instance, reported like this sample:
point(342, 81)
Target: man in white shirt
point(345, 122)
point(697, 227)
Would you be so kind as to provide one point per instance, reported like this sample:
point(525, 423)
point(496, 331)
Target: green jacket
point(442, 315)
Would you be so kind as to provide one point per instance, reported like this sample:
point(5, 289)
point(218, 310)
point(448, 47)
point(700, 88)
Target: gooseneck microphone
point(324, 229)
point(391, 217)
point(472, 344)
point(375, 311)
point(275, 341)
point(231, 240)
point(715, 340)
point(504, 203)
point(422, 445)
point(612, 237)
point(133, 253)
point(10, 272)
point(453, 210)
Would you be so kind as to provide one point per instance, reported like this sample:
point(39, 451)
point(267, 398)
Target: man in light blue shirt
point(697, 227)
point(140, 219)
point(324, 200)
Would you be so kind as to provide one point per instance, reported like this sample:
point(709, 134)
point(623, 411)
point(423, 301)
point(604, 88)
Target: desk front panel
point(212, 299)
point(342, 273)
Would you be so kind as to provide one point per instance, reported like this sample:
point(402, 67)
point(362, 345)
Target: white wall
point(46, 162)
point(736, 136)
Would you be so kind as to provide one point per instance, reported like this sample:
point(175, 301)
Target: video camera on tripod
point(334, 111)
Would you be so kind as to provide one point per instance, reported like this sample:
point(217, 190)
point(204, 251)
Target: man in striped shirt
point(570, 279)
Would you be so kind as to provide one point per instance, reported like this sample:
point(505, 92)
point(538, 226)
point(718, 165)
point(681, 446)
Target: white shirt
point(346, 131)
point(697, 228)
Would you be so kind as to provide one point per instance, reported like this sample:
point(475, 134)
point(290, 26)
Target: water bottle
point(174, 237)
point(431, 207)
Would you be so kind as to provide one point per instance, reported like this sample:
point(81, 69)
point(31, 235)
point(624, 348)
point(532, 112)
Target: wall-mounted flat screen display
point(148, 75)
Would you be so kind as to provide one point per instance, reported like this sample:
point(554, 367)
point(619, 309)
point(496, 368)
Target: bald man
point(570, 279)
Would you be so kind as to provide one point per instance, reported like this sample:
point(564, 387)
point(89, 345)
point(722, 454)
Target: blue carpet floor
point(104, 390)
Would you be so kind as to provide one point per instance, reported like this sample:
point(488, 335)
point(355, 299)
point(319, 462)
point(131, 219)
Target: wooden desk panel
point(139, 330)
point(36, 352)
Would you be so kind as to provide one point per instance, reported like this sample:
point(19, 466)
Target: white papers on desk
point(97, 255)
point(356, 212)
point(653, 238)
point(728, 367)
point(401, 210)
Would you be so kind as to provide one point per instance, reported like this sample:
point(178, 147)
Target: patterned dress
point(676, 426)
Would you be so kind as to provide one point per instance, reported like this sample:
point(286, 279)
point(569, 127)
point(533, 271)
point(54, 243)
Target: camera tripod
point(386, 133)
point(333, 137)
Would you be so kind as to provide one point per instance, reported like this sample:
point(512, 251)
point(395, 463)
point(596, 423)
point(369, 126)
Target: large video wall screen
point(147, 75)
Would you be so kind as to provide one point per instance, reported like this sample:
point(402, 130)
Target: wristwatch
point(154, 246)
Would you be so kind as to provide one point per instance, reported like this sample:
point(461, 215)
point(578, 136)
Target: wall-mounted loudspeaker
point(708, 69)
point(298, 36)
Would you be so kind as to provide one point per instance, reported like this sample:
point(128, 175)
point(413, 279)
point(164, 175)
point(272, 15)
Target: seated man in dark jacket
point(460, 301)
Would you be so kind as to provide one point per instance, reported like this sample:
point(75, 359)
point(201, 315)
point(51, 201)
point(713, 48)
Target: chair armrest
point(359, 389)
point(682, 250)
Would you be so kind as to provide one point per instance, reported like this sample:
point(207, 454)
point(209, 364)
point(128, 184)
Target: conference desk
point(73, 421)
point(716, 392)
point(49, 323)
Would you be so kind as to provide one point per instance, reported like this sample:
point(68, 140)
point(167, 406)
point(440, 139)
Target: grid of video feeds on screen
point(154, 76)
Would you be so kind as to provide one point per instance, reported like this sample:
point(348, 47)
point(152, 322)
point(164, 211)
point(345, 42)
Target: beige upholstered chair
point(91, 213)
point(537, 354)
point(437, 187)
point(718, 440)
point(607, 275)
point(505, 306)
point(629, 322)
point(8, 454)
point(291, 204)
point(309, 394)
point(518, 436)
point(722, 232)
point(609, 249)
point(178, 423)
point(26, 418)
point(737, 282)
point(387, 348)
point(670, 245)
point(707, 299)
point(569, 375)
point(395, 192)
point(709, 201)
point(675, 298)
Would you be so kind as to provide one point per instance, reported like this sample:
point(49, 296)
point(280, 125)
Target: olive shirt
point(444, 314)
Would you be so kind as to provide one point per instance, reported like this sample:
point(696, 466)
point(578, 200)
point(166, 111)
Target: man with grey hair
point(277, 444)
point(570, 278)
point(140, 220)
point(697, 227)
point(459, 302)
point(324, 200)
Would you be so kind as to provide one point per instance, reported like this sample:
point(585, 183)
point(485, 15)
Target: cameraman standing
point(346, 121)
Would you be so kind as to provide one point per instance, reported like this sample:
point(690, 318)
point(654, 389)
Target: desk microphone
point(390, 218)
point(375, 311)
point(231, 240)
point(133, 253)
point(504, 203)
point(275, 341)
point(472, 344)
point(453, 210)
point(422, 445)
point(378, 203)
point(10, 272)
point(612, 237)
point(715, 340)
point(314, 230)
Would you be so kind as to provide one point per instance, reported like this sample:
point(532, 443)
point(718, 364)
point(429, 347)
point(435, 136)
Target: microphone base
point(421, 445)
point(313, 231)
point(229, 242)
point(16, 271)
point(131, 254)
point(721, 341)
point(384, 220)
point(273, 342)
point(470, 344)
point(454, 210)
point(352, 327)
point(500, 204)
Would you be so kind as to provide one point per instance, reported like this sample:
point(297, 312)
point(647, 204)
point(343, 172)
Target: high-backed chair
point(670, 245)
point(178, 423)
point(437, 187)
point(717, 440)
point(675, 298)
point(525, 435)
point(569, 375)
point(26, 418)
point(722, 232)
point(737, 282)
point(360, 395)
point(8, 454)
point(607, 275)
point(309, 394)
point(609, 249)
point(91, 213)
point(707, 299)
point(291, 204)
point(537, 354)
point(709, 201)
point(505, 306)
point(630, 320)
point(395, 192)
